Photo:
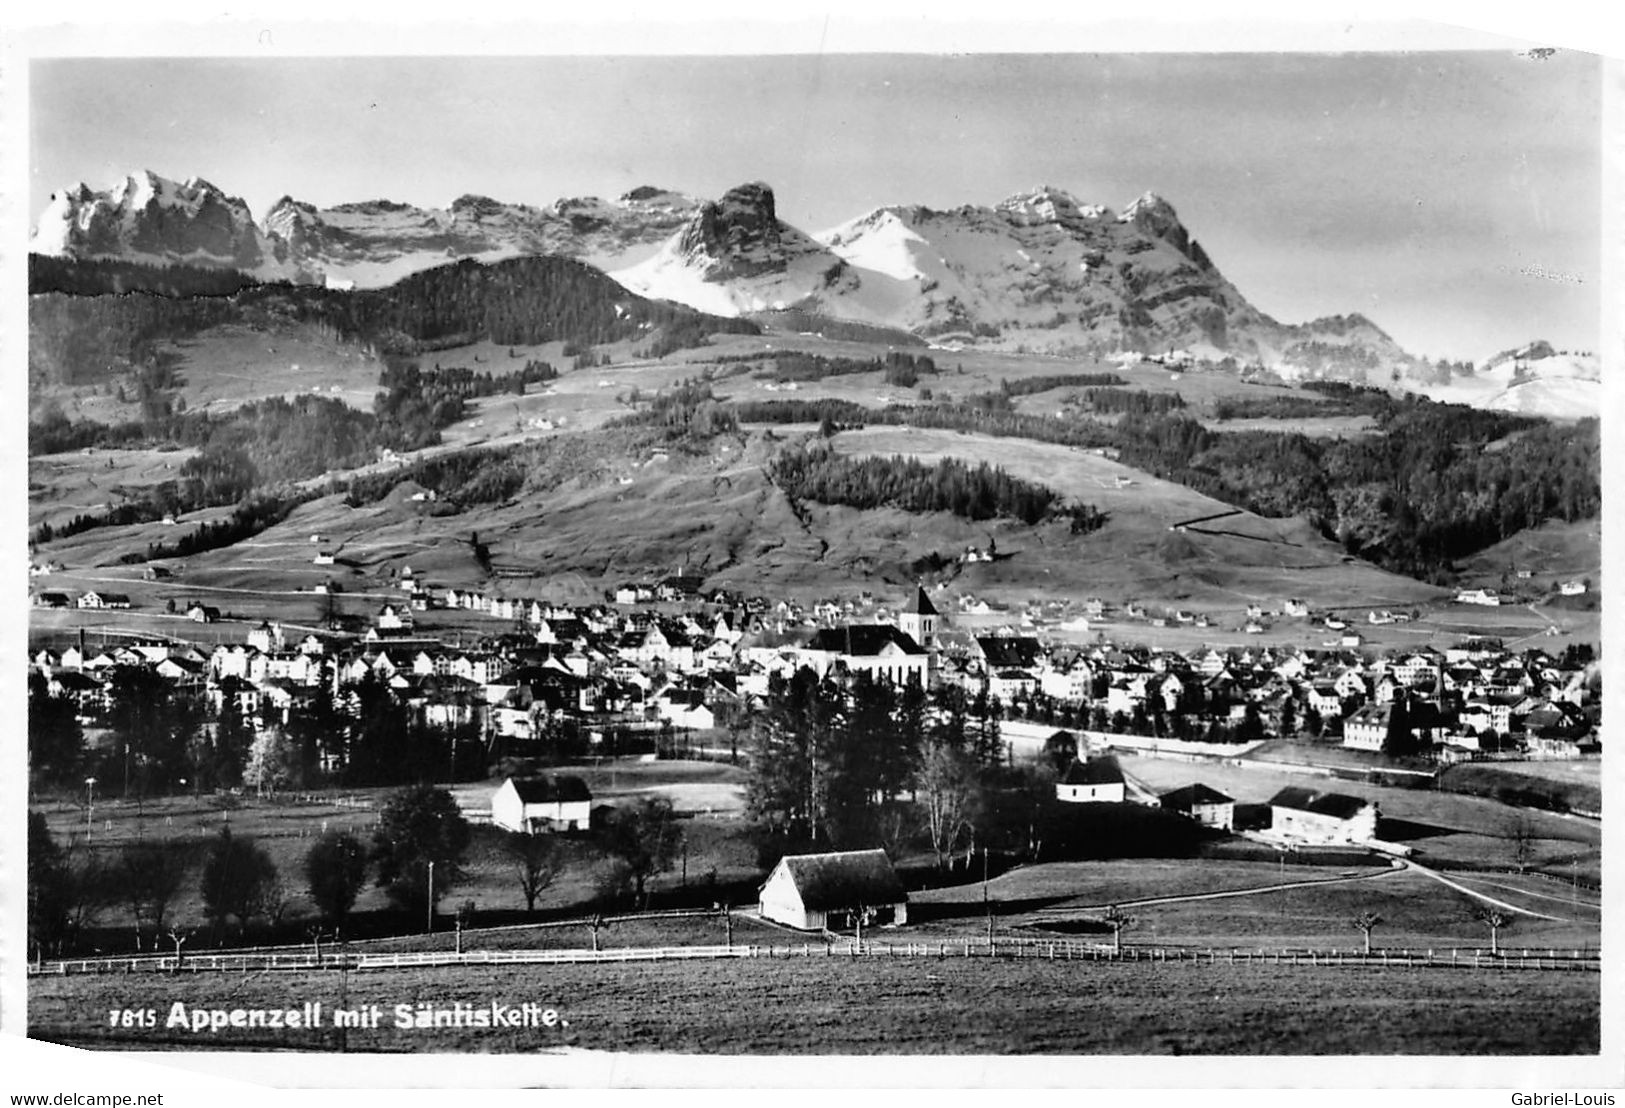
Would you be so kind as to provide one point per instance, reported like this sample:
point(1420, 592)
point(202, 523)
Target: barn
point(814, 892)
point(1311, 816)
point(534, 804)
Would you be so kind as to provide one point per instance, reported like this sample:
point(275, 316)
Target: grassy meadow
point(833, 1005)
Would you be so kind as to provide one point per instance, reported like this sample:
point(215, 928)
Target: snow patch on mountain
point(1533, 380)
point(881, 242)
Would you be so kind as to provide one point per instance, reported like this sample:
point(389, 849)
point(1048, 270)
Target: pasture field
point(1417, 912)
point(223, 368)
point(1321, 427)
point(1444, 828)
point(287, 830)
point(1575, 786)
point(61, 486)
point(1098, 883)
point(834, 1005)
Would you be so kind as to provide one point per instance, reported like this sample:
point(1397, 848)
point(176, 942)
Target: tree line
point(1434, 483)
point(976, 492)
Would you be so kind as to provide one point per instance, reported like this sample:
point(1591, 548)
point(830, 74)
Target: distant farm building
point(814, 892)
point(537, 804)
point(1206, 806)
point(1316, 817)
point(1097, 781)
point(104, 600)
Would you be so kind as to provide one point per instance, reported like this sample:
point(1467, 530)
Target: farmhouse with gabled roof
point(814, 892)
point(1311, 816)
point(532, 804)
point(1206, 806)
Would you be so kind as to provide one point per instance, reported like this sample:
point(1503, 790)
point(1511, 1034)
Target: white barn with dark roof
point(813, 892)
point(533, 804)
point(1311, 816)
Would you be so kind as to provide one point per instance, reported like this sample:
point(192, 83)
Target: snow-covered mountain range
point(147, 218)
point(1533, 380)
point(1040, 271)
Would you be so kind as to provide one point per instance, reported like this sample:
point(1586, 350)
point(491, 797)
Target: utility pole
point(987, 904)
point(431, 898)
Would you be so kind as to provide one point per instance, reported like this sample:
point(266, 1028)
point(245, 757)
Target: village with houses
point(661, 671)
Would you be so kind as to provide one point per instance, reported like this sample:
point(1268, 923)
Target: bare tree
point(178, 937)
point(1365, 921)
point(1495, 919)
point(1523, 843)
point(1119, 921)
point(946, 786)
point(533, 859)
point(149, 877)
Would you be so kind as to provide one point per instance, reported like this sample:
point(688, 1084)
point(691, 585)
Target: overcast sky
point(1452, 197)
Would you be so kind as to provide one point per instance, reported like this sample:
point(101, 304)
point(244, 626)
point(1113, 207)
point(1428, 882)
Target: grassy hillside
point(907, 1006)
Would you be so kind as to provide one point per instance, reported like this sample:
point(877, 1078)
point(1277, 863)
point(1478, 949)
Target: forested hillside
point(1433, 484)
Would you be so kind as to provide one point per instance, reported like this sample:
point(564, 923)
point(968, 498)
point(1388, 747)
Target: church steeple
point(919, 620)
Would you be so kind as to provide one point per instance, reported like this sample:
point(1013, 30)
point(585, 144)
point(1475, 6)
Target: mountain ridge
point(1040, 271)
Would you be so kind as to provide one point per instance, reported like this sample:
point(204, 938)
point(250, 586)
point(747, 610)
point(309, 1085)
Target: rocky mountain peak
point(1048, 204)
point(1156, 217)
point(736, 236)
point(474, 206)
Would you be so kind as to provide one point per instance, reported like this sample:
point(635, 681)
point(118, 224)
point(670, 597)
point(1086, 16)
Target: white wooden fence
point(1045, 949)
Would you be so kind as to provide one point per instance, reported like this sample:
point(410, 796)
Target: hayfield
point(837, 1005)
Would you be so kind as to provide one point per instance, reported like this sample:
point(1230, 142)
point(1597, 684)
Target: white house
point(1206, 806)
point(533, 804)
point(813, 892)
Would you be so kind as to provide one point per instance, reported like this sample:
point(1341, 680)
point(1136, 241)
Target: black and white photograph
point(815, 546)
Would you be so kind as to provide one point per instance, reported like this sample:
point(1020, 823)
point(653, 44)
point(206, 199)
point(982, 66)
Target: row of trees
point(417, 855)
point(161, 740)
point(830, 761)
